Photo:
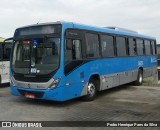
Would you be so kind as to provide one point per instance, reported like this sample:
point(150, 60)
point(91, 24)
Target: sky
point(142, 16)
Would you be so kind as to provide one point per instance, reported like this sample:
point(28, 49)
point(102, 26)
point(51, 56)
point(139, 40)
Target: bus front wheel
point(139, 80)
point(91, 91)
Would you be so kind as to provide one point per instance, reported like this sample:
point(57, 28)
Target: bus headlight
point(54, 84)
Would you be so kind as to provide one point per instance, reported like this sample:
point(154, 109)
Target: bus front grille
point(31, 79)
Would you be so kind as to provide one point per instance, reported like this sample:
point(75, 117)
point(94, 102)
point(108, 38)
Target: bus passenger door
point(73, 50)
point(73, 61)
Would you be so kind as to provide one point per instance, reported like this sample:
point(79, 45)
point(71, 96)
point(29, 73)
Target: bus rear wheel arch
point(92, 88)
point(139, 80)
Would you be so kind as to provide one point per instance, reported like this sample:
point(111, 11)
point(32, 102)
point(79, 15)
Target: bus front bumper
point(49, 94)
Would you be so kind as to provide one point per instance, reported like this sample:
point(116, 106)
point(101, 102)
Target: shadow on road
point(4, 85)
point(73, 101)
point(101, 94)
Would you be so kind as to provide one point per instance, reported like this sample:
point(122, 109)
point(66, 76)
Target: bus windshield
point(36, 56)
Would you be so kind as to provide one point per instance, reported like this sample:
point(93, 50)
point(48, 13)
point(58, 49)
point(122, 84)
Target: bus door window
point(72, 50)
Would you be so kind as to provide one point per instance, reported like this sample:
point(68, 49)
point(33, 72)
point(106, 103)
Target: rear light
point(55, 83)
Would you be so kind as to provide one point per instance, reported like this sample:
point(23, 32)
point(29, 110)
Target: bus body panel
point(112, 71)
point(73, 85)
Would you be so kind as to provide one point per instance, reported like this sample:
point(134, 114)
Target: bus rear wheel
point(139, 80)
point(91, 91)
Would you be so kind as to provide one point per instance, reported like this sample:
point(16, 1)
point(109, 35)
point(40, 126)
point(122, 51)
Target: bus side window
point(121, 46)
point(147, 47)
point(153, 47)
point(92, 43)
point(140, 47)
point(72, 50)
point(132, 47)
point(107, 46)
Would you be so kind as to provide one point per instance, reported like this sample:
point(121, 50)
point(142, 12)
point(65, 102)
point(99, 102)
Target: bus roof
point(98, 29)
point(111, 31)
point(107, 30)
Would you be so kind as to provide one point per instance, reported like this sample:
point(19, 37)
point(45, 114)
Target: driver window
point(72, 50)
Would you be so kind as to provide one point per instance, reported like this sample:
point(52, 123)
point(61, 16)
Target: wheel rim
point(91, 89)
point(140, 78)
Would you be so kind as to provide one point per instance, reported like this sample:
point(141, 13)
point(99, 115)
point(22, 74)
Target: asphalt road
point(124, 103)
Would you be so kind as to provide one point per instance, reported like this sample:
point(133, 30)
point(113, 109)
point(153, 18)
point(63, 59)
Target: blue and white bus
point(63, 60)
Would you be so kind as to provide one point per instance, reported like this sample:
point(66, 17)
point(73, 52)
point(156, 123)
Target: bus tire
point(91, 90)
point(139, 80)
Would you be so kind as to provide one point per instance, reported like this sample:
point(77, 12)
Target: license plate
point(31, 96)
